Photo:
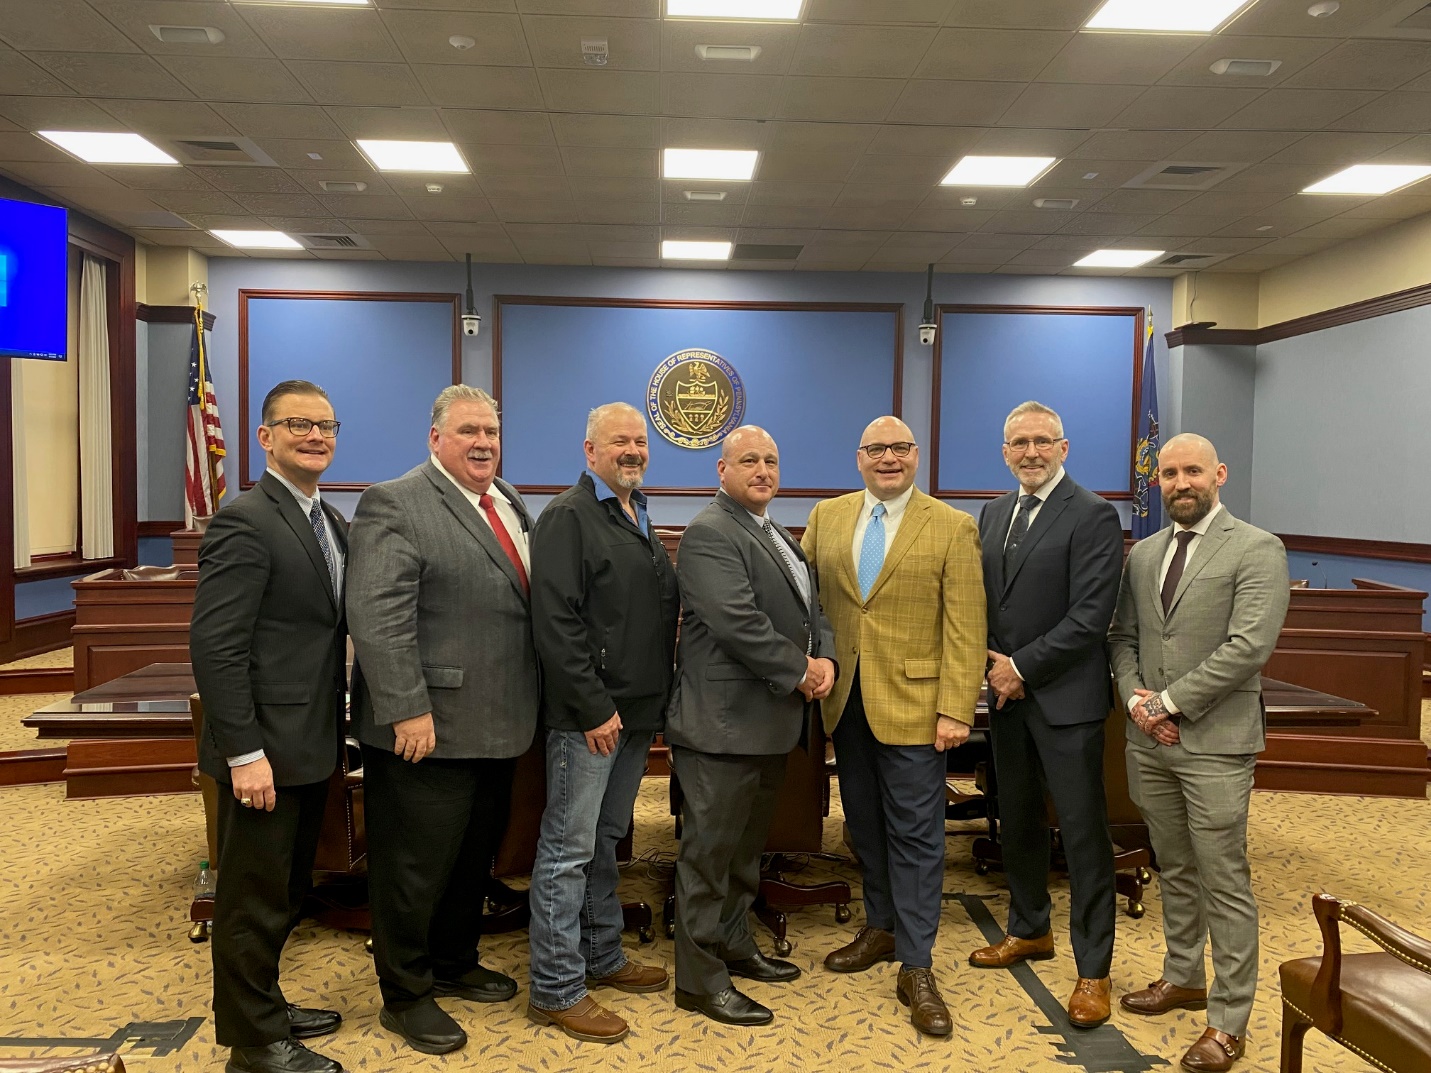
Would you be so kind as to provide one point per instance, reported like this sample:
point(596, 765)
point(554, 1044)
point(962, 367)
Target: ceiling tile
point(913, 12)
point(598, 90)
point(311, 225)
point(450, 208)
point(950, 219)
point(57, 113)
point(839, 100)
point(1042, 258)
point(696, 213)
point(306, 32)
point(849, 138)
point(67, 172)
point(726, 96)
point(1106, 223)
point(251, 180)
point(134, 17)
point(785, 166)
point(775, 236)
point(67, 25)
point(19, 75)
point(995, 240)
point(279, 204)
point(1106, 173)
point(110, 74)
point(518, 187)
point(1341, 227)
point(1216, 203)
point(794, 194)
point(312, 181)
point(1184, 226)
point(944, 143)
point(1035, 14)
point(1237, 146)
point(228, 78)
point(1186, 107)
point(634, 44)
point(422, 37)
point(291, 153)
point(615, 188)
point(855, 51)
point(1295, 53)
point(381, 84)
point(498, 127)
point(1366, 65)
point(618, 212)
point(679, 38)
point(415, 124)
point(603, 250)
point(1269, 177)
point(884, 168)
point(713, 133)
point(1134, 144)
point(277, 121)
point(1394, 206)
point(168, 119)
point(195, 238)
point(1033, 222)
point(156, 178)
point(1133, 59)
point(954, 103)
point(480, 87)
point(1414, 150)
point(608, 131)
point(1290, 17)
point(1049, 105)
point(1334, 150)
point(1029, 141)
point(365, 206)
point(636, 163)
point(103, 199)
point(765, 215)
point(878, 194)
point(1298, 109)
point(1402, 111)
point(1135, 201)
point(22, 146)
point(410, 244)
point(509, 160)
point(991, 55)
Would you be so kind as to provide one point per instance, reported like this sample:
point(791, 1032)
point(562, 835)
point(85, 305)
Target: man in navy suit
point(1053, 553)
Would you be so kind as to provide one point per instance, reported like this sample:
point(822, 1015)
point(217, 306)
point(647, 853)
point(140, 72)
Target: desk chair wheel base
point(1136, 910)
point(981, 868)
point(200, 930)
point(368, 946)
point(842, 914)
point(1145, 877)
point(645, 935)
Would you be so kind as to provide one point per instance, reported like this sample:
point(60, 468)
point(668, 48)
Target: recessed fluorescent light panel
point(997, 170)
point(674, 250)
point(309, 3)
point(1370, 179)
point(1118, 258)
point(413, 156)
point(258, 240)
point(99, 148)
point(763, 10)
point(1166, 16)
point(719, 164)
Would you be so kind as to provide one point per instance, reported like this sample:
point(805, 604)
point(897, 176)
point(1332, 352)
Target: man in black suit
point(755, 650)
point(1053, 554)
point(604, 611)
point(267, 645)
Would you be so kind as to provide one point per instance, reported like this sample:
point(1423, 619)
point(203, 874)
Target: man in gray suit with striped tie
point(1199, 611)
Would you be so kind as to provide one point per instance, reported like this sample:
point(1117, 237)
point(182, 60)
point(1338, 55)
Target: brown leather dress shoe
point(1161, 996)
point(927, 1012)
point(1089, 1005)
point(633, 977)
point(1214, 1052)
point(870, 945)
point(1010, 950)
point(588, 1021)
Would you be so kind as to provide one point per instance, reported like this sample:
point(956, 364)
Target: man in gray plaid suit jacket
point(1199, 611)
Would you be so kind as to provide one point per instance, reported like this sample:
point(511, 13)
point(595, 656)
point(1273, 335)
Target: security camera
point(926, 334)
point(471, 322)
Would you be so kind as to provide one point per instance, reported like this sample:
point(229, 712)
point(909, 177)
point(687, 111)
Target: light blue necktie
point(872, 551)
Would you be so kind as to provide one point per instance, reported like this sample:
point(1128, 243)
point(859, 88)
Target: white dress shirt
point(802, 572)
point(1043, 492)
point(508, 513)
point(893, 514)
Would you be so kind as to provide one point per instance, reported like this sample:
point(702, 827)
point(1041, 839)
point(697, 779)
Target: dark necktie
point(1027, 505)
point(1175, 569)
point(790, 566)
point(504, 538)
point(315, 519)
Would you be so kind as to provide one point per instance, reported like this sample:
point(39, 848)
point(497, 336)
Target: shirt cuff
point(246, 758)
point(1134, 699)
point(1168, 703)
point(1015, 666)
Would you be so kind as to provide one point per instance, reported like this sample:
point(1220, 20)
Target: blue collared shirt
point(638, 500)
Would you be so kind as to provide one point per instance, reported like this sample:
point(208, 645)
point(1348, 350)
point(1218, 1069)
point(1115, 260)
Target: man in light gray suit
point(445, 696)
point(1199, 610)
point(755, 651)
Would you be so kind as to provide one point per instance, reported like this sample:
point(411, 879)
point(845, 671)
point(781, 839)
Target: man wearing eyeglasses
point(903, 589)
point(1053, 553)
point(267, 646)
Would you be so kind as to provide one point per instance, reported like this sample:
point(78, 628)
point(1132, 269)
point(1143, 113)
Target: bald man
point(904, 588)
point(755, 652)
point(1199, 611)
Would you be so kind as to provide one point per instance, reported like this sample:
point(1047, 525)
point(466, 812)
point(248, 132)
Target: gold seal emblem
point(695, 398)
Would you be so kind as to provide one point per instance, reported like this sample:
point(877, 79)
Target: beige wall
point(1229, 299)
point(169, 272)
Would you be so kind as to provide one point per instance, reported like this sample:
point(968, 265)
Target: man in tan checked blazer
point(902, 584)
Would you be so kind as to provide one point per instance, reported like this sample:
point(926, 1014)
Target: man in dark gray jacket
point(755, 651)
point(445, 697)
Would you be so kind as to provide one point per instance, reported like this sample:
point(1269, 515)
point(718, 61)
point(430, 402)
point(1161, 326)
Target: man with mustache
point(903, 586)
point(755, 650)
point(604, 609)
point(1199, 612)
point(1052, 554)
point(445, 696)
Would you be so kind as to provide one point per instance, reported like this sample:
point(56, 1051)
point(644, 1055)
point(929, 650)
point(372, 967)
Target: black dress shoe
point(760, 967)
point(729, 1007)
point(426, 1027)
point(285, 1056)
point(305, 1024)
point(478, 985)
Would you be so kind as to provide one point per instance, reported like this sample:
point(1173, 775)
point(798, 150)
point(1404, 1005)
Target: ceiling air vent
point(334, 242)
point(1184, 258)
point(1245, 68)
point(1183, 175)
point(757, 251)
point(211, 151)
point(334, 186)
point(188, 35)
point(739, 53)
point(1055, 202)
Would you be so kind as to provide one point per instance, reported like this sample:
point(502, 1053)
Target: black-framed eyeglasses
point(1042, 444)
point(301, 426)
point(877, 450)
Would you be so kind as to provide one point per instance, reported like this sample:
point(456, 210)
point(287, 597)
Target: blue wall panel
point(381, 362)
point(1079, 364)
point(1337, 571)
point(813, 379)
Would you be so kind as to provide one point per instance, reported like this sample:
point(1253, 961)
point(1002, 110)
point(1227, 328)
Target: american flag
point(203, 466)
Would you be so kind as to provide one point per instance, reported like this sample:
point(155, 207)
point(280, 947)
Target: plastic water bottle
point(205, 885)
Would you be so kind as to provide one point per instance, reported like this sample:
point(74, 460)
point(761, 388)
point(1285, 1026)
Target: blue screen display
point(33, 249)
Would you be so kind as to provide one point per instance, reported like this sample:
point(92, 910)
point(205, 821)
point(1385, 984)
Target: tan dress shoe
point(1214, 1052)
point(869, 946)
point(1089, 1006)
point(1161, 996)
point(587, 1021)
point(927, 1012)
point(634, 978)
point(1010, 951)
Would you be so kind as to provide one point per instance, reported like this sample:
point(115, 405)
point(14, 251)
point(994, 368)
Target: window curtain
point(96, 454)
point(20, 482)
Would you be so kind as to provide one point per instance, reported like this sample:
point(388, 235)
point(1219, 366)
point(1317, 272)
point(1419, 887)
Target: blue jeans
point(576, 917)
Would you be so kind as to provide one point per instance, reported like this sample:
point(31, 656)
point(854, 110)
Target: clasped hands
point(819, 678)
point(1004, 681)
point(1149, 716)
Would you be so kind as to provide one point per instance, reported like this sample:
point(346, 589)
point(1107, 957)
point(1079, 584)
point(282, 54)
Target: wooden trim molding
point(159, 528)
point(342, 296)
point(67, 566)
point(1380, 306)
point(1138, 313)
point(43, 633)
point(16, 681)
point(25, 767)
point(1357, 549)
point(172, 315)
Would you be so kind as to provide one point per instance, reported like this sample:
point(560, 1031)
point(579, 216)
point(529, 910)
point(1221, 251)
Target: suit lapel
point(916, 517)
point(1155, 572)
point(1047, 514)
point(843, 528)
point(1208, 546)
point(743, 518)
point(466, 513)
point(1001, 514)
point(296, 520)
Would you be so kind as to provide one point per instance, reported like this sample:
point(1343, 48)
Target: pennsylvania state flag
point(1147, 499)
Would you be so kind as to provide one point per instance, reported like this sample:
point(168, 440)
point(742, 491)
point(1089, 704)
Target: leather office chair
point(87, 1063)
point(1376, 1005)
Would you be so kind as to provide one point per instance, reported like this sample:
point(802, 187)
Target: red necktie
point(504, 538)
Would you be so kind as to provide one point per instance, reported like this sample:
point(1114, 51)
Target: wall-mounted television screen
point(33, 250)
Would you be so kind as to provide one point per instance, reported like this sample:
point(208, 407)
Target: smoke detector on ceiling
point(595, 52)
